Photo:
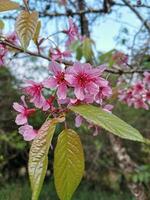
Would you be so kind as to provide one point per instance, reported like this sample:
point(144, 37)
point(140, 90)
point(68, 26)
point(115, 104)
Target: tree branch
point(70, 63)
point(144, 22)
point(128, 166)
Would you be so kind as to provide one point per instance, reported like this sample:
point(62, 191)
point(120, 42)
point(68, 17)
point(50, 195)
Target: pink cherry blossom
point(13, 38)
point(147, 78)
point(56, 54)
point(108, 108)
point(27, 132)
point(120, 58)
point(126, 96)
point(140, 103)
point(47, 104)
point(57, 81)
point(105, 91)
point(148, 96)
point(138, 88)
point(34, 90)
point(84, 79)
point(24, 112)
point(72, 32)
point(78, 121)
point(3, 52)
point(63, 2)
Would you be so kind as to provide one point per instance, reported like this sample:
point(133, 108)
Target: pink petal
point(45, 106)
point(108, 108)
point(50, 83)
point(79, 93)
point(55, 68)
point(78, 121)
point(62, 91)
point(23, 101)
point(27, 132)
point(70, 78)
point(18, 107)
point(38, 101)
point(92, 88)
point(21, 119)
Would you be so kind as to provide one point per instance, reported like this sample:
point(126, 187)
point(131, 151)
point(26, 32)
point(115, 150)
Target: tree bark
point(128, 166)
point(83, 20)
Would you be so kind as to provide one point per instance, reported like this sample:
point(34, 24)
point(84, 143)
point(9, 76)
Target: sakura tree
point(71, 86)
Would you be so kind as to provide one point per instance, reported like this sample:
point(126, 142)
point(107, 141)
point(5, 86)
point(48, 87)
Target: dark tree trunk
point(128, 166)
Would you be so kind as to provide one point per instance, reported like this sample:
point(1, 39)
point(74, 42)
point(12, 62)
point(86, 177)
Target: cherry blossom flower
point(126, 96)
point(72, 32)
point(78, 121)
point(138, 88)
point(120, 58)
point(47, 104)
point(3, 52)
point(24, 112)
point(57, 81)
point(105, 91)
point(148, 96)
point(27, 132)
point(108, 108)
point(84, 79)
point(34, 90)
point(147, 78)
point(63, 2)
point(140, 103)
point(56, 54)
point(13, 38)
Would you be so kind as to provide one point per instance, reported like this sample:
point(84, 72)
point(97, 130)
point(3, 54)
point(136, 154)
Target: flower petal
point(62, 91)
point(27, 132)
point(50, 82)
point(18, 107)
point(21, 119)
point(79, 93)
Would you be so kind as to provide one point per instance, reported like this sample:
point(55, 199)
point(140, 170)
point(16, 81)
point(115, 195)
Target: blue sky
point(105, 29)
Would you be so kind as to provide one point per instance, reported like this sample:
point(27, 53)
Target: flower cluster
point(4, 49)
point(120, 58)
point(72, 32)
point(80, 83)
point(57, 54)
point(137, 95)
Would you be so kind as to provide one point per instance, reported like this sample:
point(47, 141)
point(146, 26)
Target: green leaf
point(108, 121)
point(107, 58)
point(37, 33)
point(6, 5)
point(68, 164)
point(87, 49)
point(2, 25)
point(38, 156)
point(26, 26)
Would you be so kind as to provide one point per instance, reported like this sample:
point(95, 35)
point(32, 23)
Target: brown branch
point(128, 167)
point(83, 20)
point(144, 22)
point(70, 63)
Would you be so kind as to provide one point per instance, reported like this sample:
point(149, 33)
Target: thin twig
point(144, 22)
point(69, 63)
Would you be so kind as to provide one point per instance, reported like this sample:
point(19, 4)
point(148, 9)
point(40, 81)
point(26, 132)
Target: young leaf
point(26, 26)
point(2, 25)
point(37, 32)
point(38, 159)
point(108, 121)
point(6, 5)
point(87, 49)
point(68, 164)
